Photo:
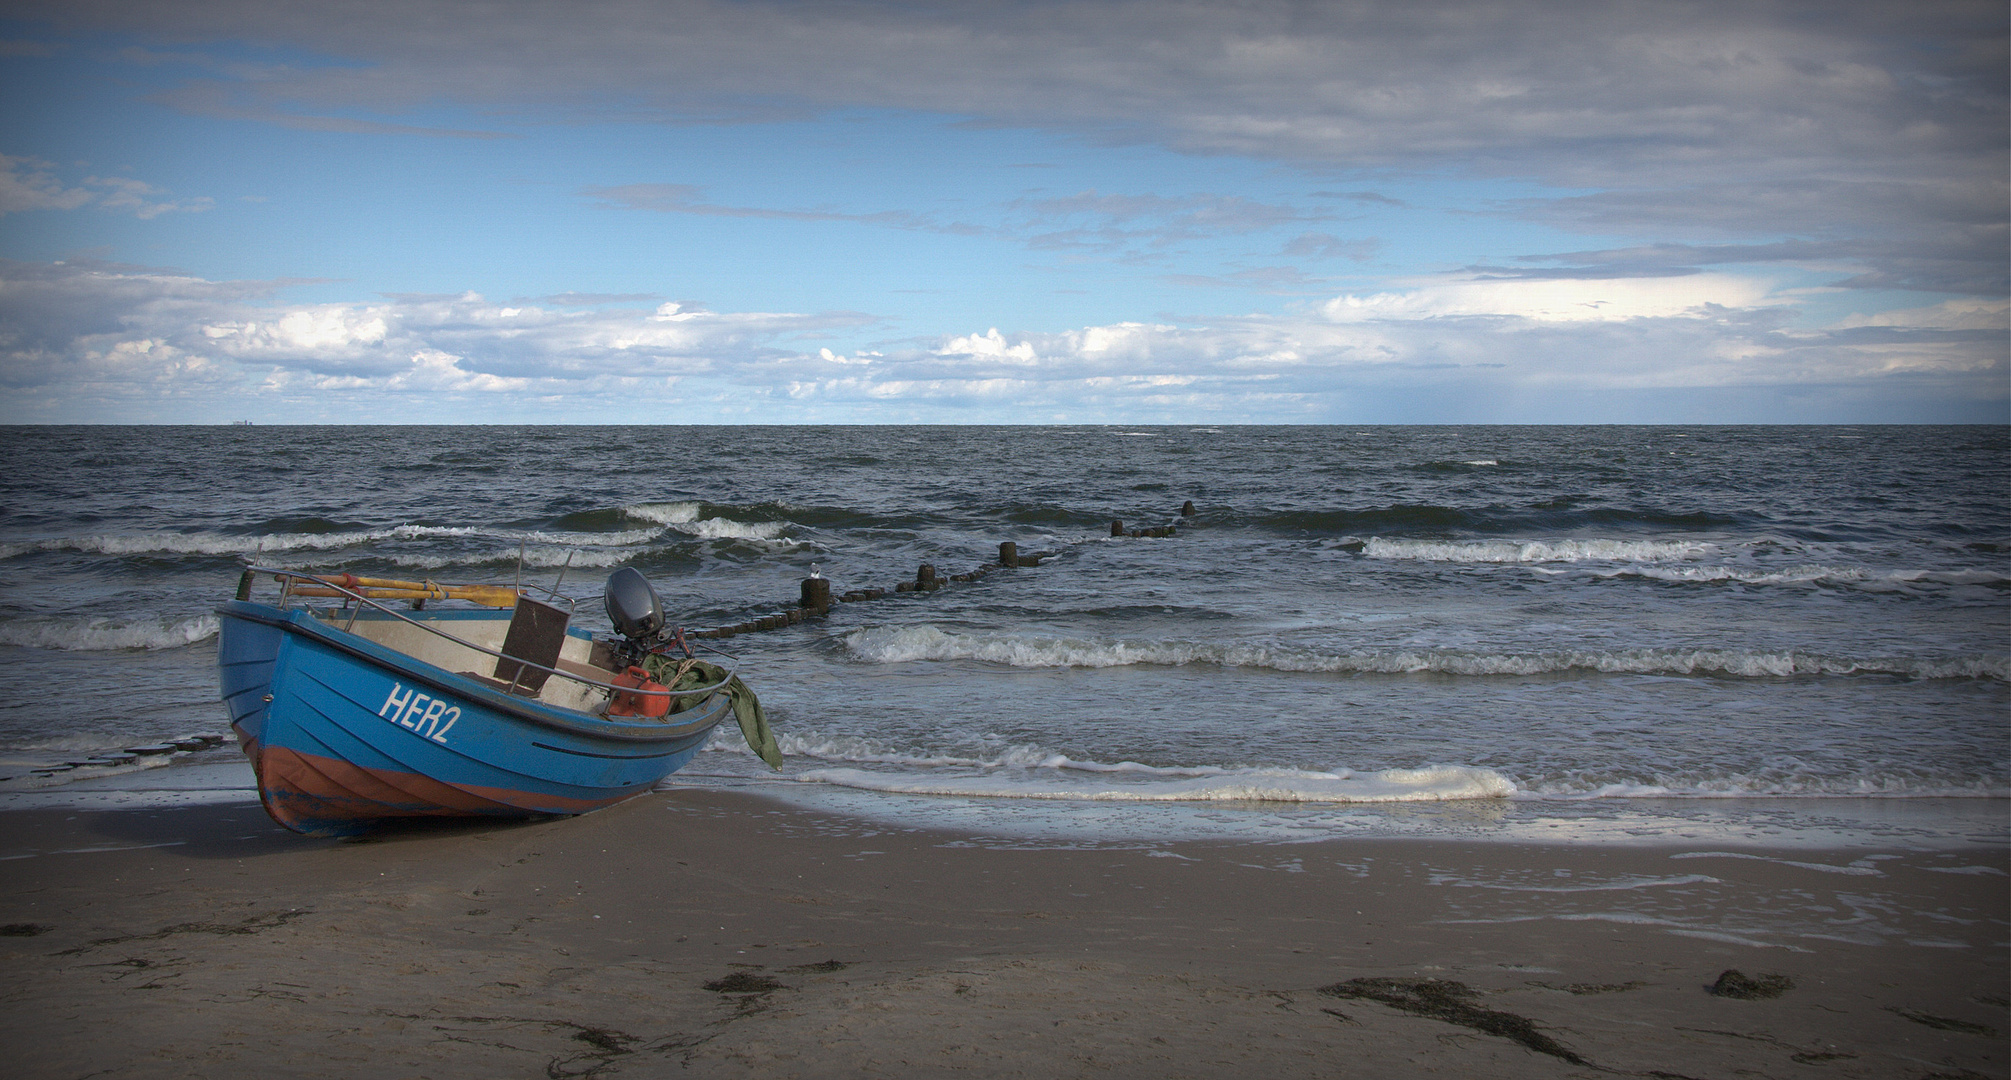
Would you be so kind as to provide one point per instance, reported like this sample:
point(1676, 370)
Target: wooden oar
point(497, 596)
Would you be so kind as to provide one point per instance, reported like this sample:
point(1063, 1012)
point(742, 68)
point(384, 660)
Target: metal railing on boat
point(286, 578)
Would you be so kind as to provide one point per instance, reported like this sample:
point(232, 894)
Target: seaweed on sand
point(1443, 999)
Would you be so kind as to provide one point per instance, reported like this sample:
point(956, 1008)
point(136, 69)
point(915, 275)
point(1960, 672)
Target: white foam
point(103, 634)
point(676, 513)
point(854, 749)
point(683, 516)
point(1813, 572)
point(1743, 786)
point(544, 557)
point(728, 529)
point(1434, 784)
point(908, 644)
point(1028, 771)
point(1627, 884)
point(1791, 575)
point(212, 543)
point(1859, 868)
point(565, 541)
point(1535, 551)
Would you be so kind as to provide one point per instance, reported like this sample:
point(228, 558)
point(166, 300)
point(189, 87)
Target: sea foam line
point(1030, 772)
point(103, 634)
point(1805, 574)
point(215, 543)
point(683, 516)
point(1438, 784)
point(1005, 771)
point(1535, 551)
point(897, 645)
point(212, 543)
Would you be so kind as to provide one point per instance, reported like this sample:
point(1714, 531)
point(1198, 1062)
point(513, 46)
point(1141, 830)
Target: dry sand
point(702, 932)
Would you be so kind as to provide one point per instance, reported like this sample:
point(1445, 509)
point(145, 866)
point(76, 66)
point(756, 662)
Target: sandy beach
point(719, 933)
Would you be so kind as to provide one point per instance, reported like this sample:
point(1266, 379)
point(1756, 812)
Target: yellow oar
point(498, 596)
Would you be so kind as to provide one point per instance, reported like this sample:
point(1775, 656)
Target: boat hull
point(344, 733)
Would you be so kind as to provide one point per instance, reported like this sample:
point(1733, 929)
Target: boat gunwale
point(571, 721)
point(287, 577)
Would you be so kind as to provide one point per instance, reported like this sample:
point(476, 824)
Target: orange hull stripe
point(302, 790)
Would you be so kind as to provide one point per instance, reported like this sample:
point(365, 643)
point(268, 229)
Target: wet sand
point(716, 933)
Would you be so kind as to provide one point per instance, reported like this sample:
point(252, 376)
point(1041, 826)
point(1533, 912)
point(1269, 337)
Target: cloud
point(1547, 300)
point(1878, 128)
point(1328, 246)
point(686, 199)
point(217, 100)
point(1966, 314)
point(1944, 234)
point(1578, 91)
point(98, 341)
point(1129, 225)
point(29, 184)
point(92, 339)
point(1139, 223)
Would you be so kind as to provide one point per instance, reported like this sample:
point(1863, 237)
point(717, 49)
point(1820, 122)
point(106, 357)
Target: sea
point(1741, 635)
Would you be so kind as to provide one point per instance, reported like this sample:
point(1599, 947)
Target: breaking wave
point(1533, 551)
point(213, 543)
point(1437, 784)
point(684, 517)
point(1029, 771)
point(543, 557)
point(676, 513)
point(227, 544)
point(1814, 573)
point(1781, 784)
point(106, 634)
point(897, 645)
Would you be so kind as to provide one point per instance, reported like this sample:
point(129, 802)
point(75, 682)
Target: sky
point(1084, 212)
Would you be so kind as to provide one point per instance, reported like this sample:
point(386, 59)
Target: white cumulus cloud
point(107, 342)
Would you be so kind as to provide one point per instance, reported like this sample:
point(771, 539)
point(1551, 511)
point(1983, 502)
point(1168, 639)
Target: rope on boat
point(817, 601)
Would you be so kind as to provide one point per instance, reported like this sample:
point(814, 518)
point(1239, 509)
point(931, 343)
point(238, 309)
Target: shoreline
point(1811, 822)
point(204, 940)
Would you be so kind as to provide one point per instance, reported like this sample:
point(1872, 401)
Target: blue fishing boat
point(473, 700)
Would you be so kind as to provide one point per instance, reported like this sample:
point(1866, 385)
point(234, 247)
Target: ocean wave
point(106, 634)
point(1434, 519)
point(857, 750)
point(550, 545)
point(1028, 771)
point(1811, 573)
point(543, 557)
point(672, 513)
point(728, 529)
point(1751, 786)
point(1033, 772)
point(684, 517)
point(1533, 551)
point(897, 645)
point(214, 543)
point(1434, 784)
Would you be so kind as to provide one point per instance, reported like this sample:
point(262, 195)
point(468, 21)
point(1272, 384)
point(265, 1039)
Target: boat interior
point(533, 633)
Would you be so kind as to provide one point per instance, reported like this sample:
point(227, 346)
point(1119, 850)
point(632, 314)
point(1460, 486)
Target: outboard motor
point(633, 608)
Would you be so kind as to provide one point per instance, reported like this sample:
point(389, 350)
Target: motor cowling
point(633, 606)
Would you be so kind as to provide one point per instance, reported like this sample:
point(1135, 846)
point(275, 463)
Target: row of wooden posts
point(816, 600)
